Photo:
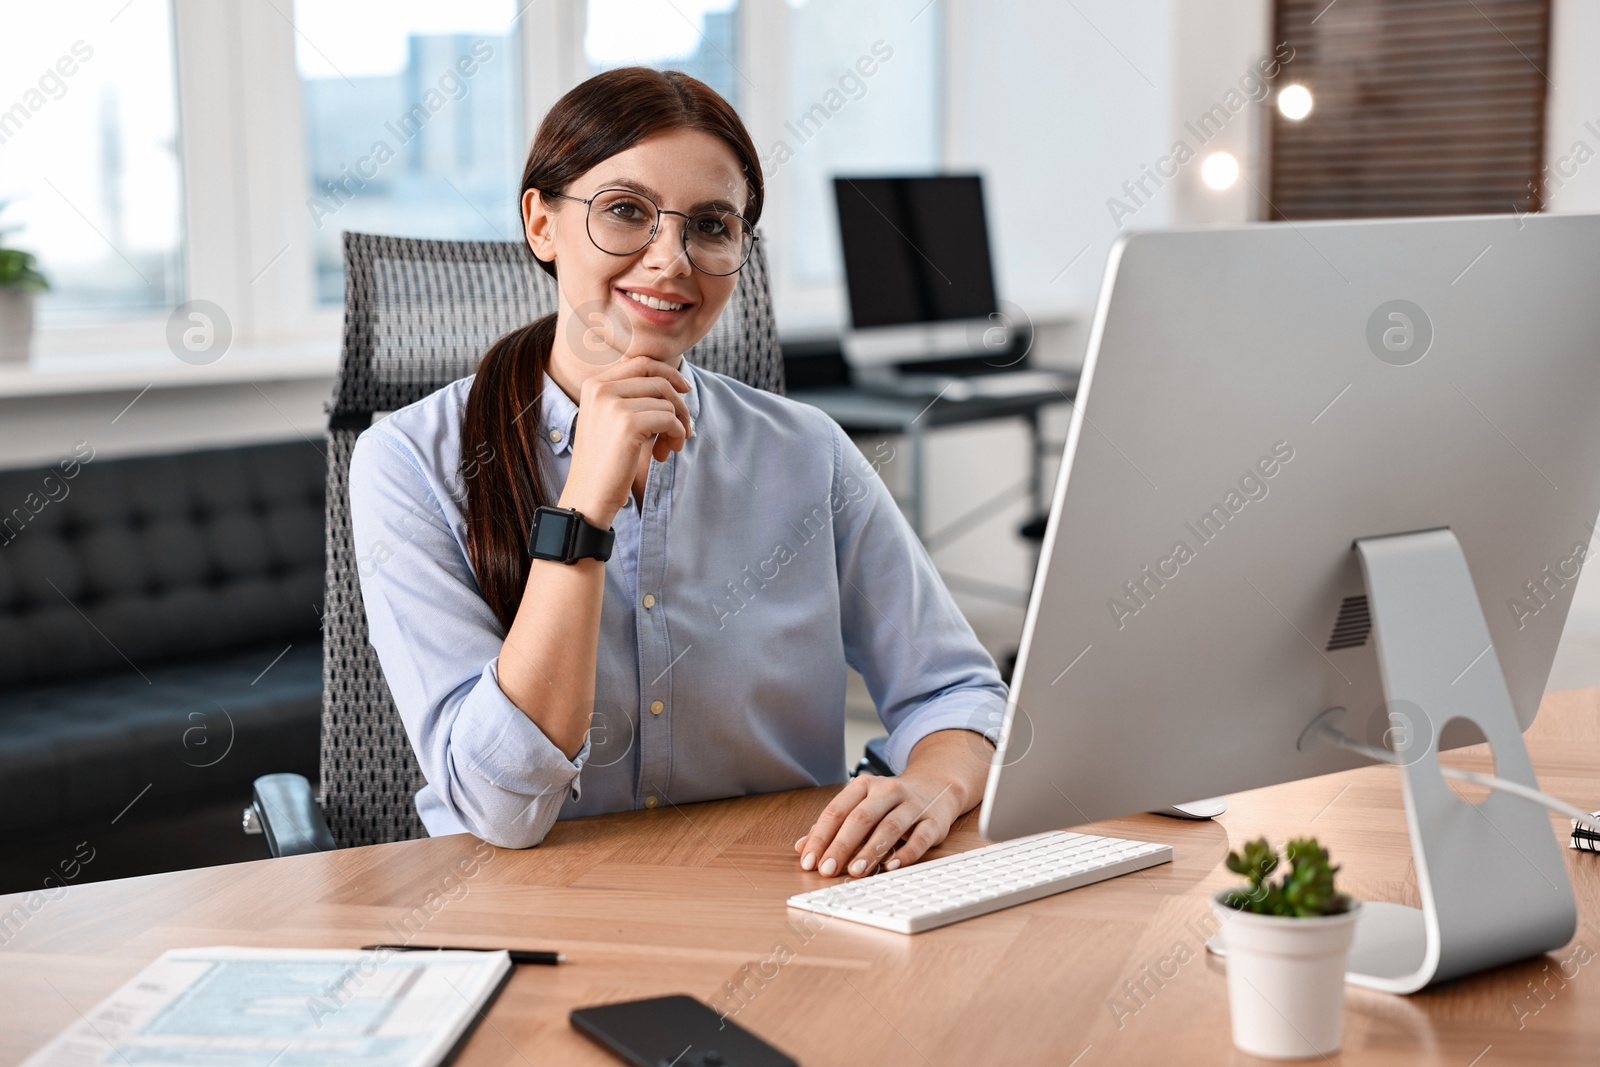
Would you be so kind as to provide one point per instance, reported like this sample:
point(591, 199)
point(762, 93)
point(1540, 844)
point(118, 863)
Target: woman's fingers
point(654, 387)
point(927, 833)
point(876, 824)
point(831, 819)
point(630, 404)
point(920, 824)
point(641, 386)
point(644, 366)
point(663, 422)
point(875, 851)
point(882, 796)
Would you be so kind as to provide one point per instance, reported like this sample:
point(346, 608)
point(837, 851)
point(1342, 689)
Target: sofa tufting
point(160, 629)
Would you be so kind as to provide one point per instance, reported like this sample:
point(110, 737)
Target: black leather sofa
point(160, 647)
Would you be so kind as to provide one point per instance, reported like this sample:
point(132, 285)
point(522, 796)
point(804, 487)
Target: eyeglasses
point(621, 222)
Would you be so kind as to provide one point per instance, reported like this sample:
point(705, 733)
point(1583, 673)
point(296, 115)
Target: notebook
point(253, 1007)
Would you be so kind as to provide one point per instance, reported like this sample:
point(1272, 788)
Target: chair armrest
point(873, 759)
point(289, 815)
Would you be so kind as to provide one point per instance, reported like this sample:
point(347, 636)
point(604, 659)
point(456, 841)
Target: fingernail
point(829, 865)
point(891, 865)
point(858, 866)
point(809, 862)
point(800, 841)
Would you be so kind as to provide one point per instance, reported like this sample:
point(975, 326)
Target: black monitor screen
point(915, 249)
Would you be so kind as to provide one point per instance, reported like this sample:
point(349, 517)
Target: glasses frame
point(656, 227)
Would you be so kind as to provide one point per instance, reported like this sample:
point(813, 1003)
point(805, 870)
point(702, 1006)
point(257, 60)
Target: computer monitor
point(1349, 465)
point(917, 270)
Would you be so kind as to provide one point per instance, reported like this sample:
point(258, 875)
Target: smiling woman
point(545, 637)
point(679, 127)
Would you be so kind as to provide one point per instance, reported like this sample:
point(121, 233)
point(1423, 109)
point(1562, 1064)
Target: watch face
point(550, 534)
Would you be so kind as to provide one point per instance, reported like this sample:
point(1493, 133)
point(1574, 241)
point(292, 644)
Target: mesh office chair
point(419, 315)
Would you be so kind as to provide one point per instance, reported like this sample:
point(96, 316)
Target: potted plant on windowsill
point(1287, 944)
point(20, 280)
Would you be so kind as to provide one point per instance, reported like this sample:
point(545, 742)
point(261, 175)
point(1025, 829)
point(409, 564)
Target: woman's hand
point(631, 405)
point(857, 833)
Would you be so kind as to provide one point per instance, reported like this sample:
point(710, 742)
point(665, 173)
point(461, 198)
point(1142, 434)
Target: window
point(89, 155)
point(698, 37)
point(863, 99)
point(406, 117)
point(413, 122)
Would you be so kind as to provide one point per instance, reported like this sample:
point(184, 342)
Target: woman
point(754, 551)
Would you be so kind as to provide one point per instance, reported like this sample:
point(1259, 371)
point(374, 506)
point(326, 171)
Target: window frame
point(242, 155)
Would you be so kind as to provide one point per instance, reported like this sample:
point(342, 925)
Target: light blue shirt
point(766, 556)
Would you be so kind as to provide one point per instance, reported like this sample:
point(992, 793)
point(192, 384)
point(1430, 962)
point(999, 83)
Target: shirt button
point(656, 707)
point(555, 435)
point(649, 601)
point(650, 801)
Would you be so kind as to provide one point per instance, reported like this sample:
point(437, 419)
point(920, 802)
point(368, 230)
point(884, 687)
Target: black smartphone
point(676, 1031)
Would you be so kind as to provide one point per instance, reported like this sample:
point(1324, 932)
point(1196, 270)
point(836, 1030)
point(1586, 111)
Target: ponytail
point(503, 467)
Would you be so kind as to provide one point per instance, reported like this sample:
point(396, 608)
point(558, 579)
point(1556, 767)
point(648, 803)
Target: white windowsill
point(64, 373)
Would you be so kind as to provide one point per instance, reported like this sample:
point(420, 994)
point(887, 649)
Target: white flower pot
point(16, 324)
point(1286, 980)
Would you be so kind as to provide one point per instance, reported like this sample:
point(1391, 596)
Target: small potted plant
point(1287, 944)
point(20, 280)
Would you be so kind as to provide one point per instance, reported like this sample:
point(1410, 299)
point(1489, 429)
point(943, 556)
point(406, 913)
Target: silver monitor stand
point(1494, 887)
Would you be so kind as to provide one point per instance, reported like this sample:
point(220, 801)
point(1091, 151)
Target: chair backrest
point(419, 315)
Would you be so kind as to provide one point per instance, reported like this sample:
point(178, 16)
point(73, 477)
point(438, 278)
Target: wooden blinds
point(1420, 107)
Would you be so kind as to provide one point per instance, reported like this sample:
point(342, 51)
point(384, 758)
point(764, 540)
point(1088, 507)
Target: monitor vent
point(1350, 630)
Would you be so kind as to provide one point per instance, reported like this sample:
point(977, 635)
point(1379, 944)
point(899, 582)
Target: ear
point(538, 225)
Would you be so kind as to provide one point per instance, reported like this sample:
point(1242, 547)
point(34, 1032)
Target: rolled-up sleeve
point(921, 661)
point(439, 643)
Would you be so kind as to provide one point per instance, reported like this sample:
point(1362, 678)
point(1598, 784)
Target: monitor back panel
point(1250, 406)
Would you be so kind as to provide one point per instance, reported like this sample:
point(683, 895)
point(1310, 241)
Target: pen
point(518, 955)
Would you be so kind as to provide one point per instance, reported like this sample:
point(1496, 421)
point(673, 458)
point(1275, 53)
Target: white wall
point(128, 420)
point(1572, 161)
point(1572, 113)
point(1070, 111)
point(1218, 64)
point(1057, 105)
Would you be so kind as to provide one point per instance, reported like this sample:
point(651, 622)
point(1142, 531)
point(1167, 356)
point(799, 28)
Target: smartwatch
point(564, 536)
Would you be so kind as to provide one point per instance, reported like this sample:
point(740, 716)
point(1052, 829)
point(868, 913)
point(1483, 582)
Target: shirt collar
point(559, 410)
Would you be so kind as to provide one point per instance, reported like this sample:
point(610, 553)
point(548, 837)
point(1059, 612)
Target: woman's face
point(599, 321)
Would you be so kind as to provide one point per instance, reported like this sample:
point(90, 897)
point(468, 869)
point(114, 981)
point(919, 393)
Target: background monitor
point(917, 269)
point(1255, 399)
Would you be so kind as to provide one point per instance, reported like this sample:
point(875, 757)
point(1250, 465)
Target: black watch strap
point(590, 542)
point(563, 535)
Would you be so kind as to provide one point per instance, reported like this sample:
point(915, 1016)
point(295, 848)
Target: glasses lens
point(718, 241)
point(620, 222)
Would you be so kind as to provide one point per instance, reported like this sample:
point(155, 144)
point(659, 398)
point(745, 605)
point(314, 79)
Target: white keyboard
point(964, 886)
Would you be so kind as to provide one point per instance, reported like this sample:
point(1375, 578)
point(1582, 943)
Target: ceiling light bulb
point(1294, 102)
point(1220, 170)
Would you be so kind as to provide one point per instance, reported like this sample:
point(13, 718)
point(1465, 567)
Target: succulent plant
point(1306, 889)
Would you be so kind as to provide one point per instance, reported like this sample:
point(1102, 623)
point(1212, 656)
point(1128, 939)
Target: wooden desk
point(686, 899)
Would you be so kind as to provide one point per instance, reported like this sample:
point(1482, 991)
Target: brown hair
point(506, 480)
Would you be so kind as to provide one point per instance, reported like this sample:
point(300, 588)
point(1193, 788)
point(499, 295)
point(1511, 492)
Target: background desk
point(861, 411)
point(685, 899)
